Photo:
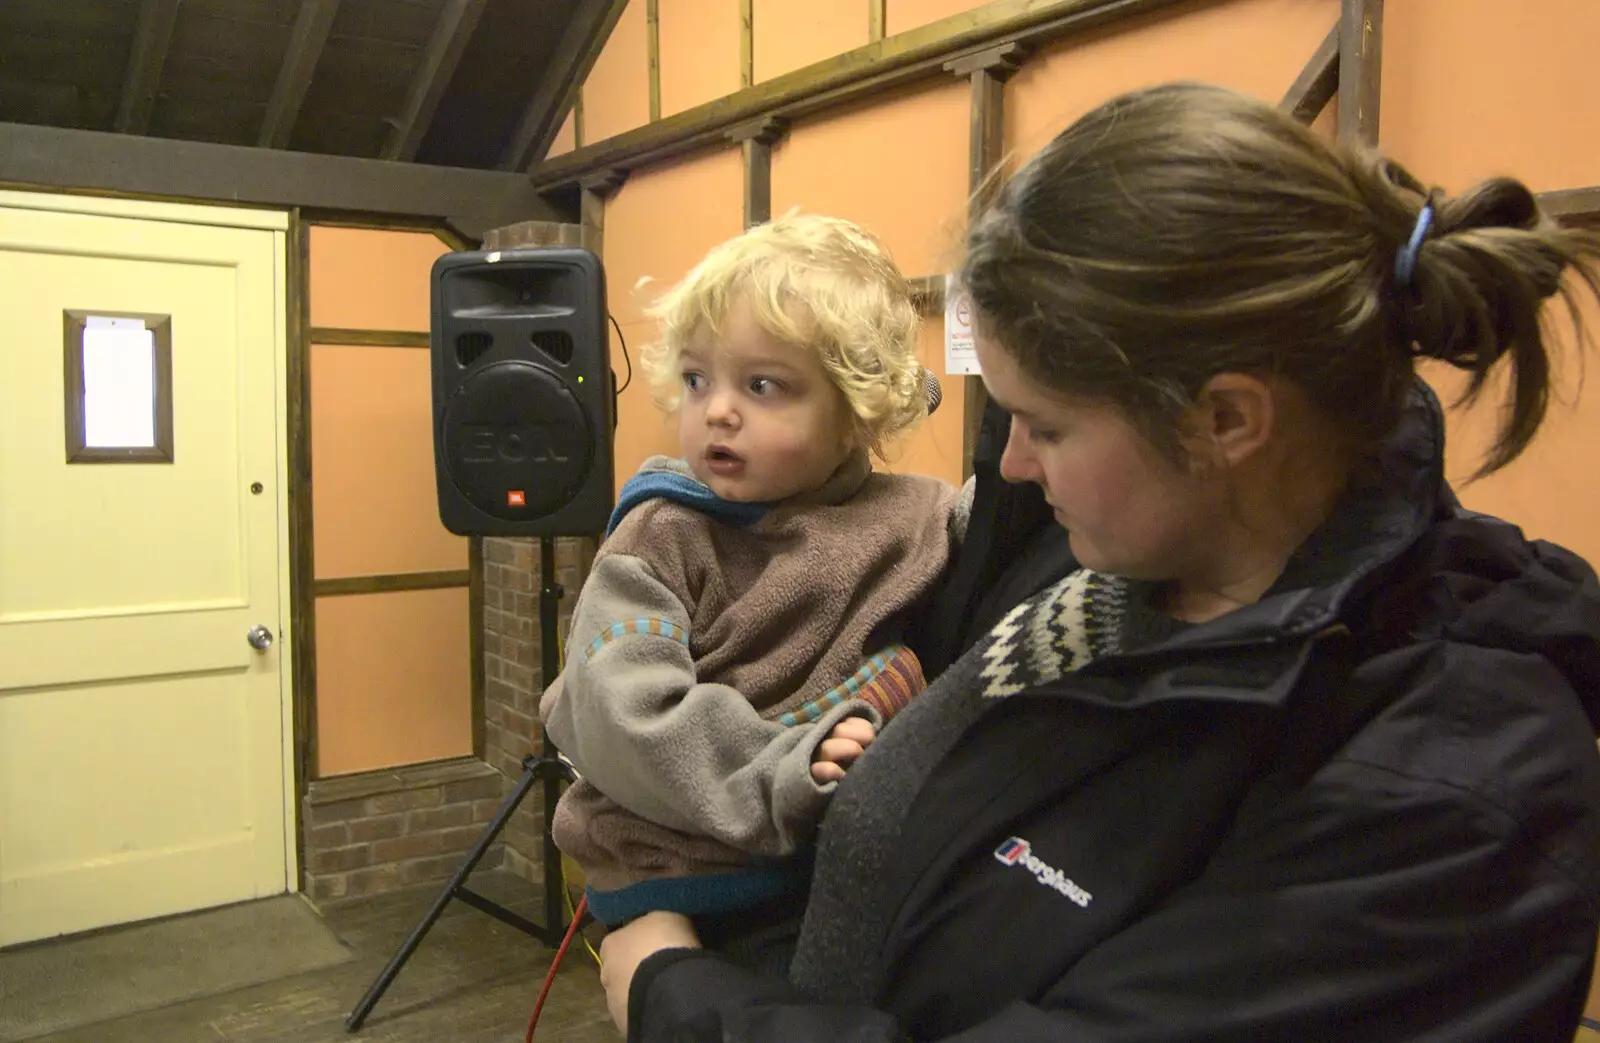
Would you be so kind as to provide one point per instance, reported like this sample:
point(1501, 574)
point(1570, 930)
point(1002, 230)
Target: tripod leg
point(530, 774)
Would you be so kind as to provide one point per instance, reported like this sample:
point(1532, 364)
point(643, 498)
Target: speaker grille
point(470, 346)
point(555, 343)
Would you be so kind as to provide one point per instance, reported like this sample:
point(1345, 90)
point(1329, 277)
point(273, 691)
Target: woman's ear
point(1234, 416)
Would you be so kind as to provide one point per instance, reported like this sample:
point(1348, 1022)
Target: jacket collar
point(1259, 650)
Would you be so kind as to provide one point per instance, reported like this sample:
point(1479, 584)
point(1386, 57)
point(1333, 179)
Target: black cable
point(625, 358)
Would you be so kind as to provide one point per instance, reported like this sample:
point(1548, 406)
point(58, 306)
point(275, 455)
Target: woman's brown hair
point(1185, 230)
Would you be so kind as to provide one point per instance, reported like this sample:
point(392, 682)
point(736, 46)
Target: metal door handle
point(260, 638)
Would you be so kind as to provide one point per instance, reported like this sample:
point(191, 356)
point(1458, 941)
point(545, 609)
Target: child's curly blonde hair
point(817, 282)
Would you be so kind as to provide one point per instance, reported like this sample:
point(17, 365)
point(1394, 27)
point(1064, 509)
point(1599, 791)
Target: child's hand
point(848, 740)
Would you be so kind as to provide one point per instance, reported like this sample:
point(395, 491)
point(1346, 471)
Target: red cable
point(572, 929)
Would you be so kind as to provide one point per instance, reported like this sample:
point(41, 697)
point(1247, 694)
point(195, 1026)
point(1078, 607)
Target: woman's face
point(1127, 509)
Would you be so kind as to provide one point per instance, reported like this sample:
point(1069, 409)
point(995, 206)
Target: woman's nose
point(1016, 462)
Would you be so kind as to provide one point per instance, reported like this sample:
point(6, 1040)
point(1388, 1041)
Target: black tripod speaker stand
point(546, 768)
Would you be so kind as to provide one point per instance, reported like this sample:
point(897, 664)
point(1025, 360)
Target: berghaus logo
point(1015, 851)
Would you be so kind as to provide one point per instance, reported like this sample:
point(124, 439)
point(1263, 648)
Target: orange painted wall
point(393, 669)
point(375, 507)
point(915, 199)
point(363, 279)
point(616, 96)
point(1474, 88)
point(392, 680)
point(657, 226)
point(699, 52)
point(789, 34)
point(566, 136)
point(1258, 46)
point(900, 15)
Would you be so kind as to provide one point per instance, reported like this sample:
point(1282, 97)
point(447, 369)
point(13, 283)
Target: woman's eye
point(1043, 436)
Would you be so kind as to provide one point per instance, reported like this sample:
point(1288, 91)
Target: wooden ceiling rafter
point(1317, 83)
point(152, 40)
point(312, 26)
point(558, 89)
point(457, 22)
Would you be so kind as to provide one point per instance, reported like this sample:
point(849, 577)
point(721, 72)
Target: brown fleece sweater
point(707, 660)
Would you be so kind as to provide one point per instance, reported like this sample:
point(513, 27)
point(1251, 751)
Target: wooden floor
point(473, 980)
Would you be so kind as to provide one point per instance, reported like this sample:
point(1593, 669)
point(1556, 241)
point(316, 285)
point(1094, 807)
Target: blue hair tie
point(1405, 258)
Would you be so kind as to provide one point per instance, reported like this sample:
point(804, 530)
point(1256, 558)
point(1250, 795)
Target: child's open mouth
point(723, 461)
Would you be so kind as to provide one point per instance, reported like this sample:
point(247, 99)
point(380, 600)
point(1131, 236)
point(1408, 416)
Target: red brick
point(338, 811)
point(340, 859)
point(335, 834)
point(424, 870)
point(417, 798)
point(411, 846)
point(439, 818)
point(384, 827)
point(327, 888)
point(459, 838)
point(472, 789)
point(372, 880)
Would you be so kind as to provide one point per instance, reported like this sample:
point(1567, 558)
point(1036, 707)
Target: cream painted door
point(143, 753)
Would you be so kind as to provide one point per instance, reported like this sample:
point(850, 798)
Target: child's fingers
point(839, 751)
point(823, 772)
point(856, 729)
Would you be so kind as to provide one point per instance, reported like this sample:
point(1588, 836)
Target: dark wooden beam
point(470, 201)
point(302, 531)
point(652, 30)
point(369, 338)
point(455, 27)
point(988, 72)
point(1573, 206)
point(343, 586)
point(310, 36)
point(1360, 69)
point(894, 61)
point(575, 55)
point(151, 41)
point(1318, 82)
point(876, 17)
point(756, 140)
point(597, 188)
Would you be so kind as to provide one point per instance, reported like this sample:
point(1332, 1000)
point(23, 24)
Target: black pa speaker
point(522, 392)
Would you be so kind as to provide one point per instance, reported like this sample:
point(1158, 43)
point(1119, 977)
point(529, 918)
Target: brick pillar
point(513, 678)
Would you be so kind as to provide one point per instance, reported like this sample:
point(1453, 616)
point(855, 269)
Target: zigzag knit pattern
point(1054, 633)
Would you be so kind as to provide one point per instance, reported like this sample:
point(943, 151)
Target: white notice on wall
point(960, 357)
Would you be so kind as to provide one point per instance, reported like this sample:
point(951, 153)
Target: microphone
point(930, 385)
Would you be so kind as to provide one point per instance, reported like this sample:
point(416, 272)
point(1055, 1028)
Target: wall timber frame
point(895, 61)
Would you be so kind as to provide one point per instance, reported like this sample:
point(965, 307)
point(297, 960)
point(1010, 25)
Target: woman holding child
point(1271, 739)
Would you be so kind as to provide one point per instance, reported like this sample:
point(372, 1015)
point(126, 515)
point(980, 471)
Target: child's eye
point(765, 386)
point(694, 381)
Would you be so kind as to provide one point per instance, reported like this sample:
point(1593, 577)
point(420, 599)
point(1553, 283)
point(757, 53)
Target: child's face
point(760, 420)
